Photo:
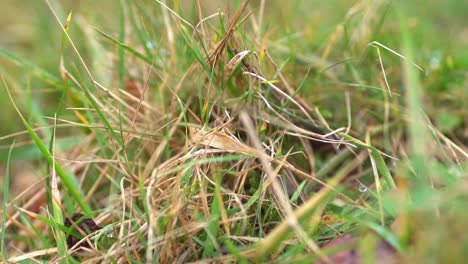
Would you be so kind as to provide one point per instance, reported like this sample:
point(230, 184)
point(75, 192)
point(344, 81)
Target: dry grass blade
point(378, 44)
point(227, 144)
point(233, 131)
point(272, 241)
point(277, 89)
point(234, 62)
point(278, 191)
point(33, 254)
point(221, 141)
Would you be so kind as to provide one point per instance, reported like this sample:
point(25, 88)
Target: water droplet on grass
point(149, 45)
point(362, 188)
point(434, 63)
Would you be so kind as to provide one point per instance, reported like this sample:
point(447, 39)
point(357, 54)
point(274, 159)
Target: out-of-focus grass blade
point(144, 40)
point(45, 240)
point(57, 114)
point(195, 50)
point(212, 229)
point(384, 232)
point(417, 130)
point(84, 88)
point(221, 24)
point(381, 166)
point(128, 48)
point(57, 206)
point(236, 252)
point(332, 164)
point(66, 180)
point(296, 194)
point(36, 70)
point(121, 65)
point(6, 191)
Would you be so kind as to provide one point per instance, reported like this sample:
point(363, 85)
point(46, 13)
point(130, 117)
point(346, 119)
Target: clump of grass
point(220, 136)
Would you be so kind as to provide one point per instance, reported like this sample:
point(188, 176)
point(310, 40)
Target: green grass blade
point(6, 191)
point(102, 116)
point(57, 207)
point(121, 65)
point(417, 131)
point(66, 180)
point(381, 166)
point(132, 51)
point(36, 70)
point(196, 51)
point(141, 33)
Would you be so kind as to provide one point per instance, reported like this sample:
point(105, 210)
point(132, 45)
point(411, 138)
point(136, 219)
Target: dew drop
point(149, 45)
point(434, 63)
point(435, 60)
point(362, 188)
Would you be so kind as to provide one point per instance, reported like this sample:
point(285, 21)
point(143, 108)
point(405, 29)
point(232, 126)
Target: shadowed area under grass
point(258, 131)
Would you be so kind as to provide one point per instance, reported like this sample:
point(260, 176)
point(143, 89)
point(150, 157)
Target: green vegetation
point(307, 132)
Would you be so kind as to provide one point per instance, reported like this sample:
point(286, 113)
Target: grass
point(254, 132)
